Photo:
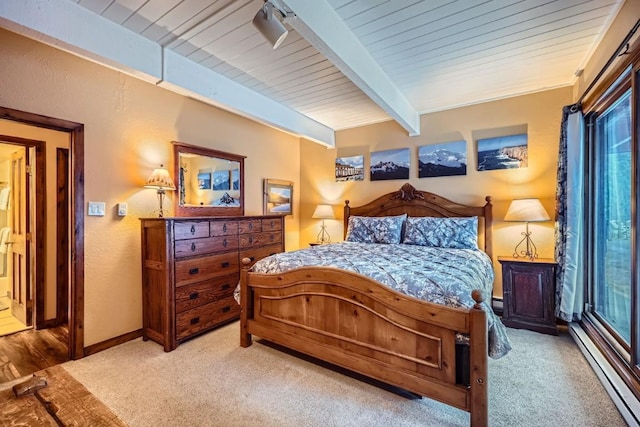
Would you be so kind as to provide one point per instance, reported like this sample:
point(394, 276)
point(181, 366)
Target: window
point(612, 243)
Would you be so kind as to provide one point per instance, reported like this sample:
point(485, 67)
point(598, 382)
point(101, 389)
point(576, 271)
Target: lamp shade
point(323, 212)
point(269, 26)
point(160, 179)
point(526, 210)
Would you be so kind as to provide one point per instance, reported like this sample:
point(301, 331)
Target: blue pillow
point(454, 233)
point(370, 229)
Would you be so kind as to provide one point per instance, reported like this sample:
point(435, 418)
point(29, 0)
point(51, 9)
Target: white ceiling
point(344, 63)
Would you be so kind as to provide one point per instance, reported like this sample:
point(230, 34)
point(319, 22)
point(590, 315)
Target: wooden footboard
point(357, 323)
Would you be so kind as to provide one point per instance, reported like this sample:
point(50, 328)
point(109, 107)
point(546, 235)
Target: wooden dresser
point(191, 266)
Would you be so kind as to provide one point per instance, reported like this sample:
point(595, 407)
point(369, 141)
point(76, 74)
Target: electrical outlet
point(122, 209)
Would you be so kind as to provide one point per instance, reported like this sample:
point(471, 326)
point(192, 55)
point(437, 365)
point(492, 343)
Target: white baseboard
point(623, 398)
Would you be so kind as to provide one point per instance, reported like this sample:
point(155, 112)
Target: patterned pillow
point(455, 233)
point(369, 229)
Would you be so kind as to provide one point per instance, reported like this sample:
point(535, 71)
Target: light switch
point(96, 209)
point(122, 209)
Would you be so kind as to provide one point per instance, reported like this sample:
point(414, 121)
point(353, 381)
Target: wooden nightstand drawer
point(194, 270)
point(259, 253)
point(529, 294)
point(190, 296)
point(259, 239)
point(206, 316)
point(193, 247)
point(191, 229)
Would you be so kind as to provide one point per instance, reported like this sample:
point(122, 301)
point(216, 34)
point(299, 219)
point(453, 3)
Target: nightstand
point(529, 289)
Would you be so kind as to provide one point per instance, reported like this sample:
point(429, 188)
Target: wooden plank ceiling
point(438, 54)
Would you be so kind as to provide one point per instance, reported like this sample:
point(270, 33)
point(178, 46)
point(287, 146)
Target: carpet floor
point(212, 381)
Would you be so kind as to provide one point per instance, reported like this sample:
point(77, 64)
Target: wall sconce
point(526, 210)
point(269, 26)
point(161, 180)
point(323, 212)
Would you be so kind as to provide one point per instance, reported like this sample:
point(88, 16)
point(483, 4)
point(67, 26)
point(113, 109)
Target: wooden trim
point(112, 342)
point(615, 359)
point(62, 236)
point(76, 131)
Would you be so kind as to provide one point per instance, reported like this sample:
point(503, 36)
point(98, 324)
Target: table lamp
point(161, 180)
point(323, 212)
point(526, 210)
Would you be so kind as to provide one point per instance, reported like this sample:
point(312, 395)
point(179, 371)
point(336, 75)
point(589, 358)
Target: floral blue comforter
point(438, 275)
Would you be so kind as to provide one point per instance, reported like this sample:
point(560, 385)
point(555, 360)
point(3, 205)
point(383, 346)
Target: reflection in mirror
point(210, 182)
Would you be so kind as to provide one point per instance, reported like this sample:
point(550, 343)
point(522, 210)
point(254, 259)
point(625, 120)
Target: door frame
point(76, 285)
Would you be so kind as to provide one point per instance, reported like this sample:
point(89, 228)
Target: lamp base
point(526, 248)
point(323, 236)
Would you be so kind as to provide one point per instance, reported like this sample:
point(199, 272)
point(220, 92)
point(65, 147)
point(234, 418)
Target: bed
point(338, 315)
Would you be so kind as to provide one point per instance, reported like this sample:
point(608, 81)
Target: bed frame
point(357, 323)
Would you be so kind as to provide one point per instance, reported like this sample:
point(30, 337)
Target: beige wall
point(129, 126)
point(539, 114)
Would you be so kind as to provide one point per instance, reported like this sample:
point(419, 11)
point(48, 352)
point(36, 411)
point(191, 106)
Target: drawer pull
point(194, 270)
point(224, 228)
point(272, 237)
point(250, 240)
point(271, 224)
point(194, 295)
point(193, 229)
point(226, 309)
point(250, 226)
point(224, 243)
point(225, 264)
point(195, 320)
point(226, 286)
point(193, 247)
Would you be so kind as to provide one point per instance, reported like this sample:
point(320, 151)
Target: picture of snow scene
point(390, 164)
point(445, 159)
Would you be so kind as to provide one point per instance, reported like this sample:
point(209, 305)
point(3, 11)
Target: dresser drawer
point(194, 270)
point(271, 224)
point(190, 296)
point(260, 239)
point(259, 253)
point(191, 229)
point(224, 228)
point(192, 247)
point(206, 316)
point(249, 226)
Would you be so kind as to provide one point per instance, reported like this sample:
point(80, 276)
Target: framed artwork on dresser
point(278, 197)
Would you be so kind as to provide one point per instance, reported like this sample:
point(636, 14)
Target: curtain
point(569, 227)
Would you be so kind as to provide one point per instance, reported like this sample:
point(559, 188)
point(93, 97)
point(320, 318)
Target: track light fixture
point(269, 26)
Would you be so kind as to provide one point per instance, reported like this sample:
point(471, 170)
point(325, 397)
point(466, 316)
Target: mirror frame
point(192, 211)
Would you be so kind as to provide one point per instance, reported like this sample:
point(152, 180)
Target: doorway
point(75, 167)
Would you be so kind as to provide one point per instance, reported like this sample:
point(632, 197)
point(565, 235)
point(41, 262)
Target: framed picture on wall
point(503, 152)
point(447, 159)
point(390, 164)
point(350, 168)
point(278, 197)
point(204, 181)
point(221, 180)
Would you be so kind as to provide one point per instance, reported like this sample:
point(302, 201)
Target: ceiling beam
point(321, 26)
point(66, 25)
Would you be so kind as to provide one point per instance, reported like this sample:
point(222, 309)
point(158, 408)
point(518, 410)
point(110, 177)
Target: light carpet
point(212, 381)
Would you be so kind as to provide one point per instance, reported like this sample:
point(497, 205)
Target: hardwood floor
point(27, 352)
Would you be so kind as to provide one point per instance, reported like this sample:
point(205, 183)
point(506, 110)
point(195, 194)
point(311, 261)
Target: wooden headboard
point(417, 203)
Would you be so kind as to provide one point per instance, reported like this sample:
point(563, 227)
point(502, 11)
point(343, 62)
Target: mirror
point(208, 182)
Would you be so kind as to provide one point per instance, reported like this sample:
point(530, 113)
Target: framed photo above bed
point(446, 159)
point(390, 164)
point(278, 197)
point(504, 152)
